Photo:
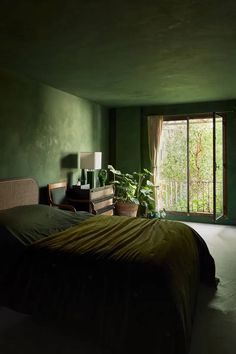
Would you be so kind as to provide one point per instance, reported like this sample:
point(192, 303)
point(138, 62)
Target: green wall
point(128, 140)
point(131, 133)
point(40, 127)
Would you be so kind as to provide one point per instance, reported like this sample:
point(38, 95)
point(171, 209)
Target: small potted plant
point(102, 176)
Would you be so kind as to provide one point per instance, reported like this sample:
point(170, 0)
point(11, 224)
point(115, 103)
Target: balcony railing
point(172, 195)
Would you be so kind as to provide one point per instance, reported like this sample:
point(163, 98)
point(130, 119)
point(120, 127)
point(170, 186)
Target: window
point(192, 166)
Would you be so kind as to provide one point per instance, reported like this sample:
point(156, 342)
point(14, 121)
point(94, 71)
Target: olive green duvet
point(128, 283)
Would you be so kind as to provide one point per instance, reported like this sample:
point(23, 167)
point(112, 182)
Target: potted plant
point(144, 191)
point(133, 192)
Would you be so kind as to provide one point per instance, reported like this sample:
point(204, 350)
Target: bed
point(129, 284)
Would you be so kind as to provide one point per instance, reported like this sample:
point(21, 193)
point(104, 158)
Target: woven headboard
point(16, 192)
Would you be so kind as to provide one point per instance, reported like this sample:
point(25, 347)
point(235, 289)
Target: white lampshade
point(91, 160)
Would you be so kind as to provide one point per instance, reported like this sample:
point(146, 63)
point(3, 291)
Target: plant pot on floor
point(126, 209)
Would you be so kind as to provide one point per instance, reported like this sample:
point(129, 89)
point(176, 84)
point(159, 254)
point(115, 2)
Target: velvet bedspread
point(129, 283)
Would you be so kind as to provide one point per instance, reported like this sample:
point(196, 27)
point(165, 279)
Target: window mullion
point(214, 165)
point(188, 175)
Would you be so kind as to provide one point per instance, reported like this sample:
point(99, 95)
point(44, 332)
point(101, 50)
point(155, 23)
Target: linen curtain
point(155, 124)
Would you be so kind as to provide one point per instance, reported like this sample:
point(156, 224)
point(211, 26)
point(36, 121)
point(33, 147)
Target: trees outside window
point(191, 165)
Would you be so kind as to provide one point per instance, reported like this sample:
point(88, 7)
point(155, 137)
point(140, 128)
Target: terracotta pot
point(126, 209)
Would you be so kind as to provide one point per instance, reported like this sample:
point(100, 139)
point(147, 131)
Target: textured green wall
point(131, 132)
point(40, 126)
point(128, 139)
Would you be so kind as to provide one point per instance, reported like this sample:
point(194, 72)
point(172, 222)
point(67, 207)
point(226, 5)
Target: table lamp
point(89, 162)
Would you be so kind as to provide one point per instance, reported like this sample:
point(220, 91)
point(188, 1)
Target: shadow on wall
point(69, 164)
point(70, 161)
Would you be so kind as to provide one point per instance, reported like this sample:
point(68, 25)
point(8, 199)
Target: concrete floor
point(214, 330)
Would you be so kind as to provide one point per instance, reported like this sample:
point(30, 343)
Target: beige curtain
point(155, 124)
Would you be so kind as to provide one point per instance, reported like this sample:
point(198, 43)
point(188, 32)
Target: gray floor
point(214, 328)
point(215, 322)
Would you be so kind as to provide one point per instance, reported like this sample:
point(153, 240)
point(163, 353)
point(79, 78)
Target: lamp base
point(91, 179)
point(83, 176)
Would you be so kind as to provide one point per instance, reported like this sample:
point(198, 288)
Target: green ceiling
point(121, 53)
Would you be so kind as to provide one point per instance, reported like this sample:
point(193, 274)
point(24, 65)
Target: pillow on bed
point(30, 223)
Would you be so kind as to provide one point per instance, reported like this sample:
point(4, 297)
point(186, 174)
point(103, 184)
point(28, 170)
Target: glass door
point(192, 165)
point(201, 180)
point(218, 165)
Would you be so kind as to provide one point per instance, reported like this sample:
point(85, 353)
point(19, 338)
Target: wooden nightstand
point(96, 200)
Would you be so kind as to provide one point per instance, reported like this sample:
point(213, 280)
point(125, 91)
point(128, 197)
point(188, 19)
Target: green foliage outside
point(199, 153)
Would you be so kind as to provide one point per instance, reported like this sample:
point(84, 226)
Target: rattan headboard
point(16, 192)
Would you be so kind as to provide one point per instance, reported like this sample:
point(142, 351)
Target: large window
point(192, 166)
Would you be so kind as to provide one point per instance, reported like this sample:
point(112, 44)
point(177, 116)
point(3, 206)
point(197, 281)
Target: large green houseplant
point(133, 192)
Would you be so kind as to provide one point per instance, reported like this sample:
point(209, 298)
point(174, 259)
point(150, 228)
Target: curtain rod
point(190, 114)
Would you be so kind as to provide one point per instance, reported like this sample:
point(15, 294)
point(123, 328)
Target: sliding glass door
point(192, 165)
point(219, 166)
